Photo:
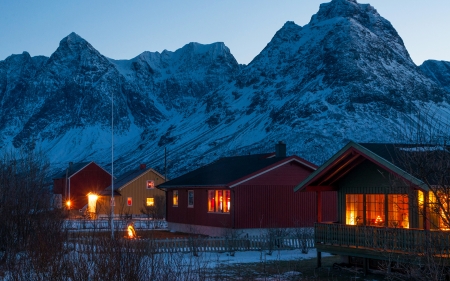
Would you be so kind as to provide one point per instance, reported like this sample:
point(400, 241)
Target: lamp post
point(112, 164)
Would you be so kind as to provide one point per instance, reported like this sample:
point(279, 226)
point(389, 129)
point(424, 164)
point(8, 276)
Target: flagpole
point(112, 164)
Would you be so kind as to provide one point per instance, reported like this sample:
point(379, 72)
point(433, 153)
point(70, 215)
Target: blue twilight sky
point(123, 29)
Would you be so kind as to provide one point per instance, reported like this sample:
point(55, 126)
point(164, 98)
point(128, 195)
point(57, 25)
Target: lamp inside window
point(150, 201)
point(219, 201)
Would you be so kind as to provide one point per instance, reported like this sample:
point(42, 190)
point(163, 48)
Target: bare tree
point(157, 210)
point(30, 223)
point(426, 157)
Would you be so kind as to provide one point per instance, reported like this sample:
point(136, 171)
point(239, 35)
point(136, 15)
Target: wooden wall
point(369, 178)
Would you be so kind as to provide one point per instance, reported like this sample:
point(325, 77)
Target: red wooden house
point(246, 193)
point(78, 181)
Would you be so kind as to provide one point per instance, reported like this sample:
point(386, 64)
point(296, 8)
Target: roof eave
point(381, 161)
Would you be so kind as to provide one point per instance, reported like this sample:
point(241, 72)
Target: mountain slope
point(438, 71)
point(345, 75)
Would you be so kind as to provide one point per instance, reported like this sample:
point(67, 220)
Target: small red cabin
point(78, 181)
point(246, 193)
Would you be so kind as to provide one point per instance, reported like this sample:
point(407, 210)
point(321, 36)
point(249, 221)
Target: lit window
point(375, 209)
point(219, 201)
point(150, 184)
point(354, 209)
point(150, 202)
point(439, 205)
point(398, 210)
point(175, 198)
point(129, 201)
point(190, 198)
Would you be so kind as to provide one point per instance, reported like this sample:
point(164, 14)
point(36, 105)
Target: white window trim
point(193, 202)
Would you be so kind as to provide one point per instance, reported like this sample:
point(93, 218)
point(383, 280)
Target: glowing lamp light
point(131, 232)
point(378, 220)
point(92, 201)
point(68, 203)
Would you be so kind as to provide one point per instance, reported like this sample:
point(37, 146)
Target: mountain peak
point(73, 38)
point(75, 44)
point(344, 9)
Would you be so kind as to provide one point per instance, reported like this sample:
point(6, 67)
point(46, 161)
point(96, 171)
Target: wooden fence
point(204, 244)
point(220, 244)
point(105, 224)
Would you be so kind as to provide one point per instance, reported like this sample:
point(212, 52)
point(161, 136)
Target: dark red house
point(247, 193)
point(78, 181)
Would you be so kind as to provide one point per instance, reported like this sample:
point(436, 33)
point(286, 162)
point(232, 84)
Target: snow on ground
point(257, 256)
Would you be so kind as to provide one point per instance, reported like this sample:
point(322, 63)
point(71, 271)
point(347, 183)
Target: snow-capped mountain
point(345, 75)
point(438, 71)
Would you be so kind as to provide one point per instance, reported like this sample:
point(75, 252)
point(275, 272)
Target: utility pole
point(165, 163)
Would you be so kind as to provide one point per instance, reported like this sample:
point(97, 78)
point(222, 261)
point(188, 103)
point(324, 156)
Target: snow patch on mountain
point(346, 75)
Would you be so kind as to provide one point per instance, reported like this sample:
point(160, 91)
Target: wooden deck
point(381, 242)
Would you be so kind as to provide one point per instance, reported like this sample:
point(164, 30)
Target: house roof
point(231, 171)
point(385, 155)
point(129, 177)
point(72, 169)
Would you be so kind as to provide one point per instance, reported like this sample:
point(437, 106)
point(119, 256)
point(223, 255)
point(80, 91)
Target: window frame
point(152, 201)
point(217, 206)
point(175, 192)
point(190, 199)
point(150, 183)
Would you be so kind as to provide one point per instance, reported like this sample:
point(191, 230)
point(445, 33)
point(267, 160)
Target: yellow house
point(135, 194)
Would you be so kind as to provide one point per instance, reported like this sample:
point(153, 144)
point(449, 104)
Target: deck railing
point(404, 240)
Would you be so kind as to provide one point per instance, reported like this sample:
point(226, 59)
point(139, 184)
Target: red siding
point(291, 173)
point(279, 206)
point(329, 206)
point(91, 178)
point(267, 200)
point(198, 215)
point(59, 186)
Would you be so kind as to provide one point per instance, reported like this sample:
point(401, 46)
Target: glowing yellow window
point(398, 210)
point(150, 201)
point(354, 209)
point(175, 198)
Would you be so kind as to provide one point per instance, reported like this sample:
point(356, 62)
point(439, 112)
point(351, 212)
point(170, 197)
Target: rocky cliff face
point(345, 75)
point(438, 71)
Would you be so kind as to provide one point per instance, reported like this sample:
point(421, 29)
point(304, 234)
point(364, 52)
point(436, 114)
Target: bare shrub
point(275, 238)
point(31, 235)
point(231, 236)
point(305, 236)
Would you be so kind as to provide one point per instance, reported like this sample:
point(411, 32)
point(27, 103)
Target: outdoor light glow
point(131, 232)
point(68, 203)
point(92, 202)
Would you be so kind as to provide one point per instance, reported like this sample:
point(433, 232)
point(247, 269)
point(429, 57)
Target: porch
point(382, 243)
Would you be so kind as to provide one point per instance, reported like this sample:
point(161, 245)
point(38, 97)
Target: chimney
point(142, 167)
point(280, 149)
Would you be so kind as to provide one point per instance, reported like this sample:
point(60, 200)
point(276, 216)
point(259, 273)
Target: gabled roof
point(130, 176)
point(385, 155)
point(231, 171)
point(74, 168)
